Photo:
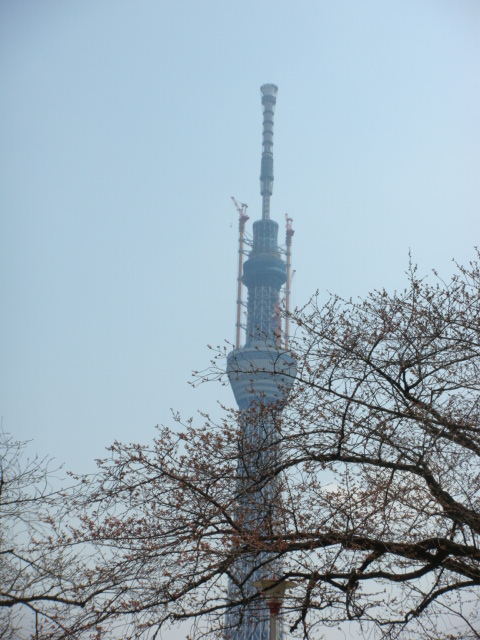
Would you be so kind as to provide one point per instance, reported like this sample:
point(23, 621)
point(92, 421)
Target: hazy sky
point(125, 128)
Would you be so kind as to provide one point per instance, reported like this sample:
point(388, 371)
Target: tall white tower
point(261, 375)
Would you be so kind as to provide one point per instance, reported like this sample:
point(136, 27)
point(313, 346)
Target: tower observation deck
point(261, 374)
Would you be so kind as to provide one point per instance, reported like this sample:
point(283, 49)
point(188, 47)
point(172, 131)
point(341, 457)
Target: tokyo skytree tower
point(261, 374)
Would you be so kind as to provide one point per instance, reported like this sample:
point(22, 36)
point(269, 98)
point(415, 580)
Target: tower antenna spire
point(269, 99)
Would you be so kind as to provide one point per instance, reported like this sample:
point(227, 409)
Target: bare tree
point(387, 408)
point(376, 457)
point(40, 579)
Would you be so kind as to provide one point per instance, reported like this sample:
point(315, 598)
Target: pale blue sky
point(125, 128)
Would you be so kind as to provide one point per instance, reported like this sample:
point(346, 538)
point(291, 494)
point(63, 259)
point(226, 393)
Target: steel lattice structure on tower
point(261, 375)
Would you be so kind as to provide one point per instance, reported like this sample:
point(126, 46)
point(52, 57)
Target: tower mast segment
point(242, 219)
point(288, 241)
